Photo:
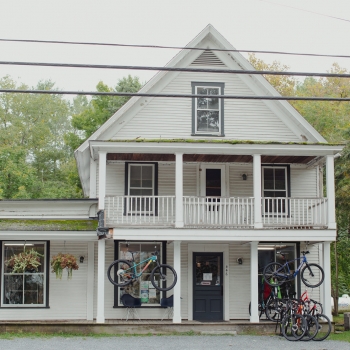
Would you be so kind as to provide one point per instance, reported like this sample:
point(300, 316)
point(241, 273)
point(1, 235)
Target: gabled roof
point(209, 35)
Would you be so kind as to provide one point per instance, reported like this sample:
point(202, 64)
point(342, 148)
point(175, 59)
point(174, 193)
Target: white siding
point(239, 281)
point(238, 186)
point(303, 181)
point(172, 117)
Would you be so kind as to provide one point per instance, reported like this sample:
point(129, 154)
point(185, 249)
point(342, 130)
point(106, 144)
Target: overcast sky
point(246, 24)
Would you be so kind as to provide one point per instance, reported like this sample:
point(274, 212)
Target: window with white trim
point(24, 274)
point(275, 189)
point(142, 287)
point(208, 112)
point(141, 188)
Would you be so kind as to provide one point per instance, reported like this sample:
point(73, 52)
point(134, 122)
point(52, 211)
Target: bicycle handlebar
point(303, 252)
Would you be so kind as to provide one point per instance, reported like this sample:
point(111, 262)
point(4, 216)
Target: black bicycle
point(123, 272)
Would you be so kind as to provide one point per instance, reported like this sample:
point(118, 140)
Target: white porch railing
point(286, 212)
point(140, 210)
point(218, 211)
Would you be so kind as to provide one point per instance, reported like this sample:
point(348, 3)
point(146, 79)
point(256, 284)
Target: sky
point(302, 26)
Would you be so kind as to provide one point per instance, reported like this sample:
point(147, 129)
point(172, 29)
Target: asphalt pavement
point(165, 342)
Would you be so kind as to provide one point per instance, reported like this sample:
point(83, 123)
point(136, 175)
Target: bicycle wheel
point(311, 328)
point(293, 327)
point(120, 273)
point(318, 307)
point(312, 275)
point(274, 309)
point(324, 327)
point(163, 277)
point(274, 274)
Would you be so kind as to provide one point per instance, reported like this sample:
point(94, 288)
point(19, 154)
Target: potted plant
point(61, 261)
point(26, 261)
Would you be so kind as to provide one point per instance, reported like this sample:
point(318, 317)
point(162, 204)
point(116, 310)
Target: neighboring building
point(220, 186)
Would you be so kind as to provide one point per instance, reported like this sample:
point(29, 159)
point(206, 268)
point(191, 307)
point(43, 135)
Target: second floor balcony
point(215, 212)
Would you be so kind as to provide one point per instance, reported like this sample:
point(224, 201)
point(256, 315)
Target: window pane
point(135, 192)
point(280, 179)
point(135, 176)
point(34, 289)
point(213, 103)
point(207, 121)
point(202, 91)
point(13, 289)
point(202, 103)
point(268, 179)
point(142, 288)
point(213, 91)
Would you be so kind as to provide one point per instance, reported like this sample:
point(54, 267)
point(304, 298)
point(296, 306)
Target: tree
point(99, 110)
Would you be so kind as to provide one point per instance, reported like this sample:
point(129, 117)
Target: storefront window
point(142, 288)
point(280, 253)
point(23, 277)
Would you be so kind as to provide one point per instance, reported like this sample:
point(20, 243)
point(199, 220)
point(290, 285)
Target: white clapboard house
point(220, 186)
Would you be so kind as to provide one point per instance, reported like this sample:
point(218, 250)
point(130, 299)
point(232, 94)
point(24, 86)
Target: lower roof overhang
point(221, 235)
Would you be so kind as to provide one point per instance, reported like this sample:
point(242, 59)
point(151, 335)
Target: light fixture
point(240, 261)
point(81, 259)
point(244, 177)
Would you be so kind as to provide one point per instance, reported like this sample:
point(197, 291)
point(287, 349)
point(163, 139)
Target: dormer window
point(208, 112)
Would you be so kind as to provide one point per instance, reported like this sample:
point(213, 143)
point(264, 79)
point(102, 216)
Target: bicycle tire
point(293, 327)
point(118, 269)
point(274, 309)
point(313, 271)
point(324, 327)
point(270, 274)
point(167, 274)
point(312, 327)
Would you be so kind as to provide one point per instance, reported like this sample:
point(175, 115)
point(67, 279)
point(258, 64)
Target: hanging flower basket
point(27, 261)
point(61, 261)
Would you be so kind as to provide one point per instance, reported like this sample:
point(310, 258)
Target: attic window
point(208, 112)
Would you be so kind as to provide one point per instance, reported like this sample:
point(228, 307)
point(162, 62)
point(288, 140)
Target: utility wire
point(130, 94)
point(169, 47)
point(304, 10)
point(175, 69)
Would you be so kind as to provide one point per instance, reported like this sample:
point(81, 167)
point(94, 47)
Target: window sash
point(208, 116)
point(25, 293)
point(141, 200)
point(141, 251)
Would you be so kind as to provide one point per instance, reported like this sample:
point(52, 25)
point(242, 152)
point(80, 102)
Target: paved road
point(204, 342)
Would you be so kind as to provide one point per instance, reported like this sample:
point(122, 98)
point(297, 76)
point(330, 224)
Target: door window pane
point(208, 270)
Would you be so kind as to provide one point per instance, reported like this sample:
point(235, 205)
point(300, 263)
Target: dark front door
point(207, 287)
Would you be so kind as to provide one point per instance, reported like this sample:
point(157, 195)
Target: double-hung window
point(275, 189)
point(24, 274)
point(208, 111)
point(141, 188)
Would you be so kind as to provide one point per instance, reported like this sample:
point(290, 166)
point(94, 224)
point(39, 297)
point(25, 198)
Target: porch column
point(102, 164)
point(177, 288)
point(93, 176)
point(100, 318)
point(90, 281)
point(330, 192)
point(179, 210)
point(257, 190)
point(254, 288)
point(326, 285)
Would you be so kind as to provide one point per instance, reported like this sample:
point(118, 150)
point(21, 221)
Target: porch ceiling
point(207, 158)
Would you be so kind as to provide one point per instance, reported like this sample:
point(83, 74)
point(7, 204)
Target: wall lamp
point(244, 177)
point(81, 259)
point(240, 261)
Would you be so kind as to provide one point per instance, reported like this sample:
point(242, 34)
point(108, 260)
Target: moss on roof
point(225, 141)
point(48, 225)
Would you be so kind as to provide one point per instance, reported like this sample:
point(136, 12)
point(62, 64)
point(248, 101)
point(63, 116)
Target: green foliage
point(99, 110)
point(21, 262)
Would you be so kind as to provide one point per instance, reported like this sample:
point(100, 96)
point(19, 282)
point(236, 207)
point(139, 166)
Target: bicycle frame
point(151, 259)
point(303, 260)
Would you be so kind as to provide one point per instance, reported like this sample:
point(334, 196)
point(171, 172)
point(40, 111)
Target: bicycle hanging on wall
point(123, 272)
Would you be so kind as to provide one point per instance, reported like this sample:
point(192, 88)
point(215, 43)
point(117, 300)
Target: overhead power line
point(170, 47)
point(175, 69)
point(130, 94)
